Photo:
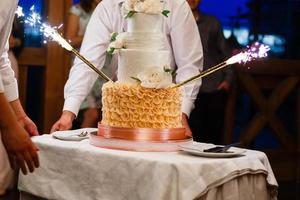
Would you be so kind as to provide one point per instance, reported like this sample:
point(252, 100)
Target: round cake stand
point(139, 139)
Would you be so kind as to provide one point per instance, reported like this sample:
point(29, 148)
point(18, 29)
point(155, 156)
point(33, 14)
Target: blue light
point(224, 10)
point(33, 37)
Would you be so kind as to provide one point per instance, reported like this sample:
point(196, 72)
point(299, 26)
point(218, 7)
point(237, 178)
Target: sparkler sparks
point(19, 12)
point(34, 19)
point(252, 52)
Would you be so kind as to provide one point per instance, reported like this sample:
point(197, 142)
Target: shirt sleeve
point(8, 81)
point(94, 45)
point(188, 52)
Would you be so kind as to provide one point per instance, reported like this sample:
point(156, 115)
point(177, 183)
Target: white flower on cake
point(128, 5)
point(155, 77)
point(144, 6)
point(149, 6)
point(117, 43)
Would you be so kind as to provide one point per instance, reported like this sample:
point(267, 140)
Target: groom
point(183, 42)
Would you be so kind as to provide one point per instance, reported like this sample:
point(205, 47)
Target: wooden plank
point(298, 122)
point(298, 143)
point(268, 82)
point(251, 87)
point(56, 70)
point(255, 125)
point(283, 163)
point(22, 83)
point(29, 57)
point(229, 116)
point(281, 133)
point(271, 67)
point(32, 57)
point(281, 92)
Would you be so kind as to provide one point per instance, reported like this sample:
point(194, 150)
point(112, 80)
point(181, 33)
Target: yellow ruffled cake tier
point(133, 106)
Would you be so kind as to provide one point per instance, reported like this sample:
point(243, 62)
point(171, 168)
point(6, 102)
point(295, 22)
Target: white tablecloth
point(77, 171)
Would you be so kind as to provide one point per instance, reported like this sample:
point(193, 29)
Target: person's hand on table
point(20, 148)
point(28, 125)
point(64, 123)
point(185, 124)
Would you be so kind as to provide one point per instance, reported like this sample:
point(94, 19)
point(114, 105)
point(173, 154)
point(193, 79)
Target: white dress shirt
point(8, 83)
point(184, 44)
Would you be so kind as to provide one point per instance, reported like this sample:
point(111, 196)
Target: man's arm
point(82, 78)
point(10, 89)
point(188, 52)
point(15, 139)
point(23, 119)
point(10, 86)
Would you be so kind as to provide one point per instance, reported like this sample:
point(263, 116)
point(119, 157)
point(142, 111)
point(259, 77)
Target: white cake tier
point(145, 40)
point(134, 61)
point(140, 22)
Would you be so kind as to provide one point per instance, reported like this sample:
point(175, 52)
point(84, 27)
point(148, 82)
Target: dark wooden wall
point(280, 78)
point(54, 61)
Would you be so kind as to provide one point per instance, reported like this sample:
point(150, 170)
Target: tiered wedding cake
point(143, 96)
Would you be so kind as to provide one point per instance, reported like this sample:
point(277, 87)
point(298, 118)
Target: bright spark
point(34, 19)
point(19, 12)
point(252, 52)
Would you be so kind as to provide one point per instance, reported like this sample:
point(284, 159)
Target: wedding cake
point(143, 96)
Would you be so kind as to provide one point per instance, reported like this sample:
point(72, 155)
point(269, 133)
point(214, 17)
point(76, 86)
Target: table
point(77, 170)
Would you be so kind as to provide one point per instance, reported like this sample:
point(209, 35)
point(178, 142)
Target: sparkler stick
point(34, 19)
point(251, 53)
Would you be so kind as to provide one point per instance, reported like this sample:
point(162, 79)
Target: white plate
point(73, 135)
point(197, 150)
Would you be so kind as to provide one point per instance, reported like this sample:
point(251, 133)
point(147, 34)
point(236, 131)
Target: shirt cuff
point(187, 105)
point(11, 91)
point(72, 105)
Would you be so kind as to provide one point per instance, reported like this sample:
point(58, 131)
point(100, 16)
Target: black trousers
point(207, 118)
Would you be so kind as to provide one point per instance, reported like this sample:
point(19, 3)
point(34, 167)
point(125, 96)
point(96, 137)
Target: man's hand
point(20, 148)
point(224, 85)
point(64, 123)
point(23, 119)
point(28, 125)
point(185, 124)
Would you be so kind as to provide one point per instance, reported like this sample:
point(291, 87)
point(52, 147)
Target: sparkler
point(34, 19)
point(19, 12)
point(251, 53)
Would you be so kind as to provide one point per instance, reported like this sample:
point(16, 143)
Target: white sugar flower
point(128, 5)
point(143, 6)
point(117, 44)
point(155, 77)
point(149, 6)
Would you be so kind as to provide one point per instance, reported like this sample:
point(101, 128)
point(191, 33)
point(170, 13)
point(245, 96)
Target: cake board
point(139, 139)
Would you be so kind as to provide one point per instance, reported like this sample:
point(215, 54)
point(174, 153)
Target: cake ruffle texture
point(132, 106)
